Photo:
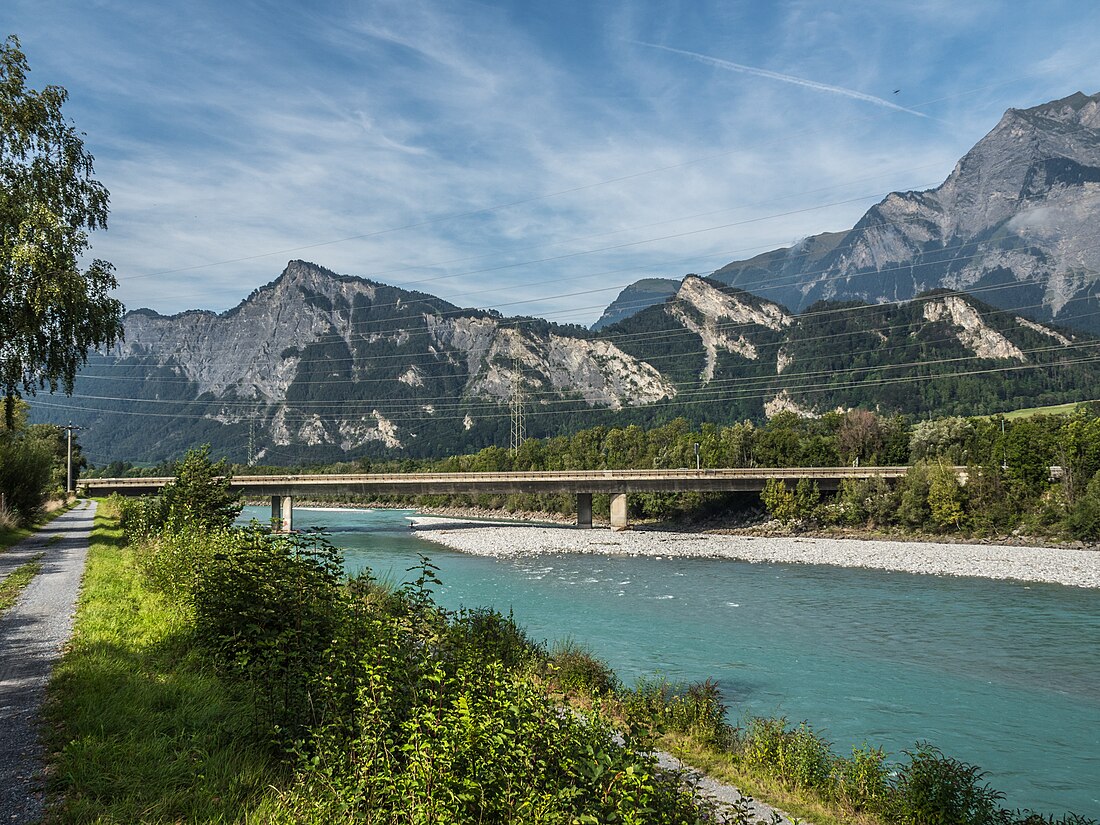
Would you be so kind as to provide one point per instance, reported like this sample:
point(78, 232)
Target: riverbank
point(1068, 566)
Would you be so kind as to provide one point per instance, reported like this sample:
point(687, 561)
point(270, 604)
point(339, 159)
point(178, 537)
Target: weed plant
point(575, 671)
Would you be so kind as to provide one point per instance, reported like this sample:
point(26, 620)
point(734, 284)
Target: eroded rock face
point(550, 366)
point(253, 350)
point(1050, 333)
point(784, 403)
point(971, 330)
point(715, 316)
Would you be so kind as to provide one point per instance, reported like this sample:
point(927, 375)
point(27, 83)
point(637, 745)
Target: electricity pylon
point(519, 426)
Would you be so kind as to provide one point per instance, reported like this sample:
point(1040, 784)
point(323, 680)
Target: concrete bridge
point(583, 483)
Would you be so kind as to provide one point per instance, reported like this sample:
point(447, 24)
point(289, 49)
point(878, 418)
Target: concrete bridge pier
point(618, 512)
point(584, 510)
point(282, 514)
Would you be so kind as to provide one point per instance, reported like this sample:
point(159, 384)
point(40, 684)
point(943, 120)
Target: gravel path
point(32, 634)
point(729, 798)
point(1074, 567)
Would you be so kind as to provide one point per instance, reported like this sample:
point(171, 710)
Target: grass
point(799, 805)
point(10, 535)
point(139, 730)
point(1055, 409)
point(12, 585)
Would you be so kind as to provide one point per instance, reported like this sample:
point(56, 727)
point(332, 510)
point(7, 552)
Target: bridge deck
point(570, 481)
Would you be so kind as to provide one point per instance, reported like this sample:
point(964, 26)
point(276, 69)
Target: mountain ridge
point(316, 366)
point(1011, 223)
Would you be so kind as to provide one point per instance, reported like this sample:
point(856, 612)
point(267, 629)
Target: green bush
point(172, 562)
point(266, 608)
point(933, 789)
point(200, 496)
point(485, 635)
point(695, 709)
point(25, 468)
point(913, 497)
point(945, 497)
point(1083, 519)
point(795, 756)
point(863, 782)
point(780, 501)
point(575, 670)
point(142, 517)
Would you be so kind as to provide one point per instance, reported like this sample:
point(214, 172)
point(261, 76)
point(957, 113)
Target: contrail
point(786, 78)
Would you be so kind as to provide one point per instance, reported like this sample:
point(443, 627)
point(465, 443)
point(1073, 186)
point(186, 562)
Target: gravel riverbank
point(1073, 567)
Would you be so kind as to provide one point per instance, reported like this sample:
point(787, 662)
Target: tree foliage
point(200, 496)
point(32, 465)
point(51, 312)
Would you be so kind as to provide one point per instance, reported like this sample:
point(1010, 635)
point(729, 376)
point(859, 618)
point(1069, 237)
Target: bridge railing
point(538, 478)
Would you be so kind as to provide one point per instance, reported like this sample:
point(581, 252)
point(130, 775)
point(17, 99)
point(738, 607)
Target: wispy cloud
point(785, 78)
point(491, 155)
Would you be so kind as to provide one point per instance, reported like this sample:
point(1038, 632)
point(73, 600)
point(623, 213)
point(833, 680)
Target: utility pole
point(69, 463)
point(698, 460)
point(252, 439)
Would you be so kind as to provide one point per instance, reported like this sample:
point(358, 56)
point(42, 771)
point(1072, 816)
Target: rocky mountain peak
point(1075, 109)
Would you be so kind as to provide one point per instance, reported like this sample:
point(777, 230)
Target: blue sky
point(530, 157)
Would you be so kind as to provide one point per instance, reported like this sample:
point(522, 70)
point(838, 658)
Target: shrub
point(142, 517)
point(933, 789)
point(1083, 519)
point(200, 495)
point(484, 635)
point(25, 467)
point(797, 756)
point(780, 500)
point(945, 497)
point(913, 490)
point(695, 709)
point(172, 562)
point(863, 782)
point(575, 670)
point(266, 608)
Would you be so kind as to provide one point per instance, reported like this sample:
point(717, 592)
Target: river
point(1002, 674)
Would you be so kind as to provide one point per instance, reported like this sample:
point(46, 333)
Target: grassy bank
point(233, 677)
point(140, 729)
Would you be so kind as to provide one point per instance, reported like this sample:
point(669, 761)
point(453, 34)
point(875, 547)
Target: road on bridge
point(583, 483)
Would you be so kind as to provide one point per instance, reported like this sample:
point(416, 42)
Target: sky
point(529, 157)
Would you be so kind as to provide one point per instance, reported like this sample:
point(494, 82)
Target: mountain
point(637, 296)
point(1013, 224)
point(323, 365)
point(735, 355)
point(317, 366)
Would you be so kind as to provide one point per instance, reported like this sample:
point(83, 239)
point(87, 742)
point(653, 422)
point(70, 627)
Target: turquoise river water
point(1005, 675)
